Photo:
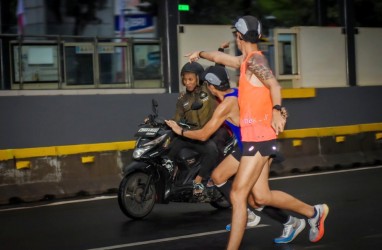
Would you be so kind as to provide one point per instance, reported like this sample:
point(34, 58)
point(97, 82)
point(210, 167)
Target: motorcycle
point(154, 178)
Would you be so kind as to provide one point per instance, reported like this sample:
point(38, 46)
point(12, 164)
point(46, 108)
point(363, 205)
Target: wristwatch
point(277, 107)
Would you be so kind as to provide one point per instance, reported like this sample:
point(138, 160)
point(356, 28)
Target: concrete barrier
point(300, 155)
point(60, 177)
point(56, 176)
point(371, 146)
point(328, 153)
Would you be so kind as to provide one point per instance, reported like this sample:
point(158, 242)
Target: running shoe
point(252, 220)
point(317, 223)
point(291, 230)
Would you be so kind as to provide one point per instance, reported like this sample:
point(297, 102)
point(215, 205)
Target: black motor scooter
point(154, 178)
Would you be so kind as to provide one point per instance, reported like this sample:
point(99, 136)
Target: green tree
point(281, 13)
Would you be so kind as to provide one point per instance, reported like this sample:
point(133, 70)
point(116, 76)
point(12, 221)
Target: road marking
point(324, 173)
point(114, 196)
point(62, 203)
point(168, 239)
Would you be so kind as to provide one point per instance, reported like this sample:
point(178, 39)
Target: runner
point(228, 112)
point(260, 122)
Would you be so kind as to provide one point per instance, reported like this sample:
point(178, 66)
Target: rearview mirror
point(154, 104)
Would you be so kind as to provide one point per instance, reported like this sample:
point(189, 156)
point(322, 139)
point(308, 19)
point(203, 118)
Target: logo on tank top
point(255, 120)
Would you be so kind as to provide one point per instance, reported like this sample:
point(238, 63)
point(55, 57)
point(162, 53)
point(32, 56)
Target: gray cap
point(218, 76)
point(248, 23)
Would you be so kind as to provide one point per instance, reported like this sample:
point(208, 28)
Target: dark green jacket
point(201, 116)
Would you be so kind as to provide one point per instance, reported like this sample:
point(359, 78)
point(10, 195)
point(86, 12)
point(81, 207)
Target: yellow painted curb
point(340, 139)
point(330, 131)
point(339, 132)
point(378, 136)
point(8, 154)
point(298, 93)
point(23, 164)
point(297, 143)
point(87, 159)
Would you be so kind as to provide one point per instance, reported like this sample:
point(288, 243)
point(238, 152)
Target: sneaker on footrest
point(198, 188)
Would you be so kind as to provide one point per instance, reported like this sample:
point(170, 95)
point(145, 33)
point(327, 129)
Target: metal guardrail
point(73, 62)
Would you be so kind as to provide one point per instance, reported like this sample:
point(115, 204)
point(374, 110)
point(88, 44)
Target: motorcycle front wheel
point(131, 198)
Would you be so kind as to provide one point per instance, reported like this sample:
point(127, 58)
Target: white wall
point(204, 37)
point(368, 56)
point(322, 57)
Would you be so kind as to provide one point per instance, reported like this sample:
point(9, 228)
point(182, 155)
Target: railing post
point(95, 63)
point(21, 78)
point(59, 62)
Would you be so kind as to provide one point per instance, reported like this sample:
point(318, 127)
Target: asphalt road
point(354, 221)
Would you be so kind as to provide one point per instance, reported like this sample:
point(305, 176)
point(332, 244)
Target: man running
point(228, 112)
point(260, 123)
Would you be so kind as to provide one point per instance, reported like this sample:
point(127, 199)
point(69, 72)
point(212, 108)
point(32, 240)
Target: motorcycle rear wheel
point(130, 195)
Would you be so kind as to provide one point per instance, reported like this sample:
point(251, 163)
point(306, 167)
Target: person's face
point(239, 39)
point(212, 89)
point(190, 80)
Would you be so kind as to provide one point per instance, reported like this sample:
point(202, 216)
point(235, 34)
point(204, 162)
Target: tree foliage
point(281, 13)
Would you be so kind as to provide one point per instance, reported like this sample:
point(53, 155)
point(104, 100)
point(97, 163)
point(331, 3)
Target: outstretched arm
point(217, 57)
point(221, 113)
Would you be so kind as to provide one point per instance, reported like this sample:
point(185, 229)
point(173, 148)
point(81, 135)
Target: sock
point(290, 220)
point(276, 214)
point(315, 212)
point(225, 188)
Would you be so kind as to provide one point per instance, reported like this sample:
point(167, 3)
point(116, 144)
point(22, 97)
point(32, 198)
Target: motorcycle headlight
point(138, 152)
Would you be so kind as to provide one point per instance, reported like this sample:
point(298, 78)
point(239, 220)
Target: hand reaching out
point(224, 45)
point(193, 56)
point(174, 126)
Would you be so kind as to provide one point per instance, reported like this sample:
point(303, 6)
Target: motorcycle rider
point(197, 92)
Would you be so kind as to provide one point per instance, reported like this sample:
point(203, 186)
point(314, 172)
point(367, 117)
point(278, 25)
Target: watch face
point(277, 107)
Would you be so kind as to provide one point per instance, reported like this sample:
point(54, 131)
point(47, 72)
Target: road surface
point(354, 222)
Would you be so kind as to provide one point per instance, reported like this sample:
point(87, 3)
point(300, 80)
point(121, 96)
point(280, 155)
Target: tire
point(130, 195)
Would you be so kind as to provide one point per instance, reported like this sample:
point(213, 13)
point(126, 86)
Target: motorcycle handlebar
point(187, 124)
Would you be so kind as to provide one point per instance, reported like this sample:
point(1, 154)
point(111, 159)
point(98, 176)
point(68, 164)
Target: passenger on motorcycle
point(197, 92)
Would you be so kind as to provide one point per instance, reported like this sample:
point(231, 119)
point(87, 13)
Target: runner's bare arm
point(217, 57)
point(221, 113)
point(258, 65)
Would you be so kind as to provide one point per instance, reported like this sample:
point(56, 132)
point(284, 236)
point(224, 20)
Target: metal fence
point(70, 62)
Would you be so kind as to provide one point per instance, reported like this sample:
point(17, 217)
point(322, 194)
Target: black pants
point(220, 138)
point(208, 151)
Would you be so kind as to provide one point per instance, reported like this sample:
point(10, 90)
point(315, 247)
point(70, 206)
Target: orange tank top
point(255, 108)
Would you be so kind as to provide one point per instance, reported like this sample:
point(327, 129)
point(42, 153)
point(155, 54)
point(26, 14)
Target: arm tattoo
point(258, 65)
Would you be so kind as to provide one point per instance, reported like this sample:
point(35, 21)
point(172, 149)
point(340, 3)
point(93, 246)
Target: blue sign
point(136, 23)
